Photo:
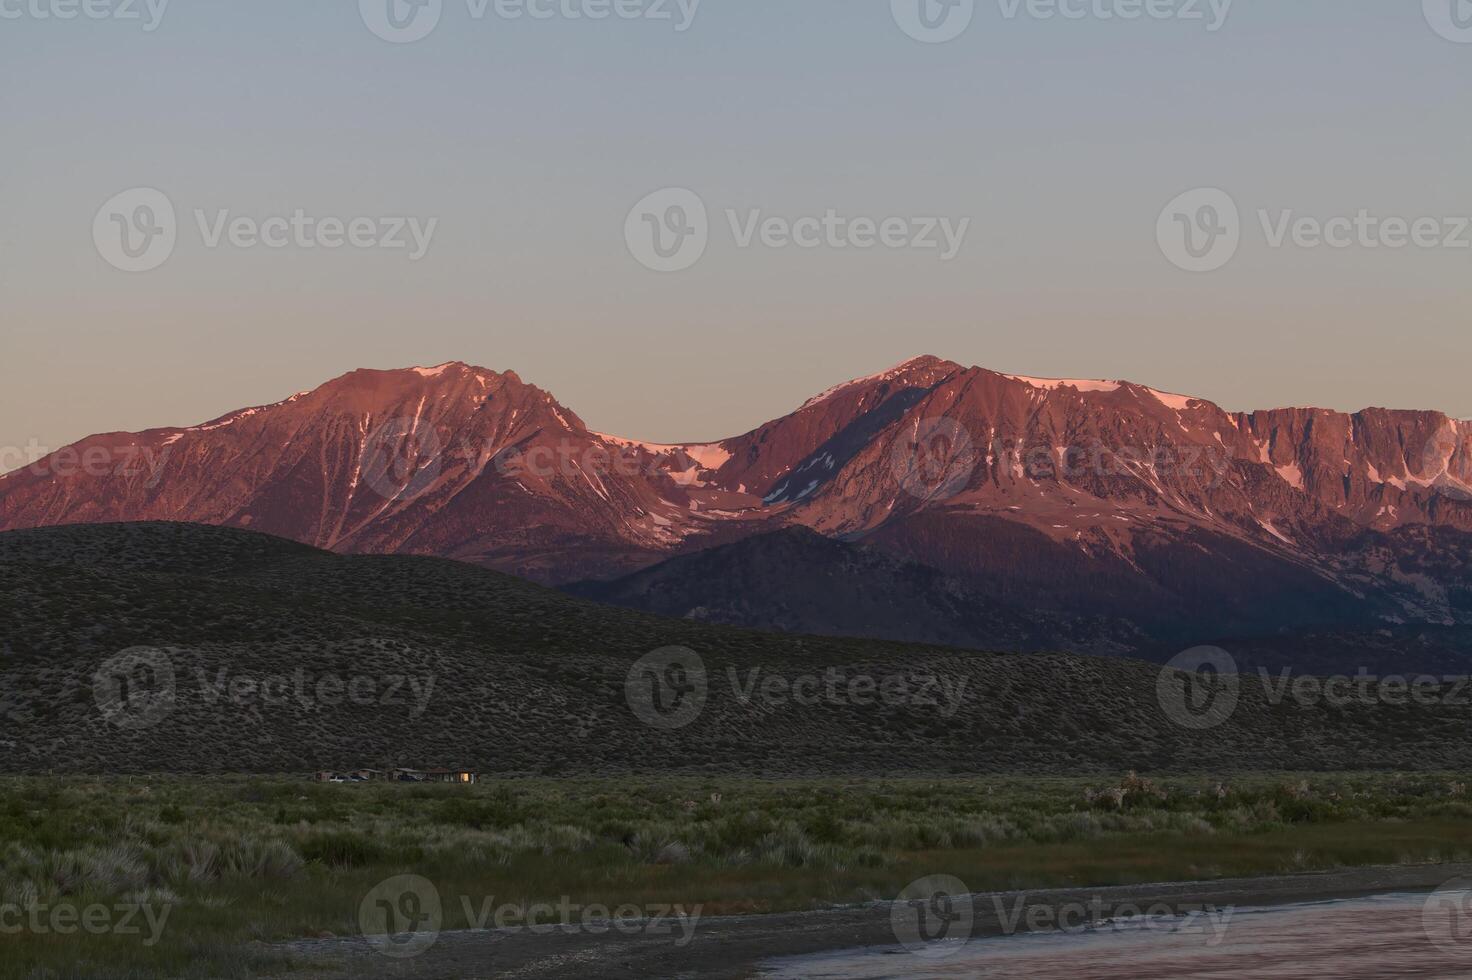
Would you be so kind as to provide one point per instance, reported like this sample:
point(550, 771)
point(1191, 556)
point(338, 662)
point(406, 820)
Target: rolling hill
point(275, 656)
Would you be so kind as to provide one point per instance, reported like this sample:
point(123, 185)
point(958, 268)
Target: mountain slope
point(798, 581)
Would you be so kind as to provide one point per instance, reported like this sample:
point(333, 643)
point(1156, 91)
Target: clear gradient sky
point(530, 140)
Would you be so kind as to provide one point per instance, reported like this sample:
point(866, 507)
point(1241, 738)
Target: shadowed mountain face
point(1034, 595)
point(1003, 507)
point(798, 581)
point(169, 647)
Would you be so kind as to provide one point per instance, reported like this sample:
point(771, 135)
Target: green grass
point(240, 862)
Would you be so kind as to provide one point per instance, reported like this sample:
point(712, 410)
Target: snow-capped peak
point(1053, 384)
point(436, 371)
point(914, 363)
point(1168, 399)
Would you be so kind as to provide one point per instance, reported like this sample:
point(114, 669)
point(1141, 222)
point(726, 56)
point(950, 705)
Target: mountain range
point(930, 502)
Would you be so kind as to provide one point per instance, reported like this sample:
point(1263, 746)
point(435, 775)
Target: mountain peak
point(450, 372)
point(923, 370)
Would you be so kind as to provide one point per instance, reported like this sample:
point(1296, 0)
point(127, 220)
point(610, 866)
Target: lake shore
point(734, 947)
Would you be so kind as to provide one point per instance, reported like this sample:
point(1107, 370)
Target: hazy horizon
point(1051, 147)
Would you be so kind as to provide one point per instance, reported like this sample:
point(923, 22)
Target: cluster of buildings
point(398, 774)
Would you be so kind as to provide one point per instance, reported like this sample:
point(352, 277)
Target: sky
point(992, 182)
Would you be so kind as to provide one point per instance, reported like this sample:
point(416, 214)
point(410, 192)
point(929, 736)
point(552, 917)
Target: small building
point(461, 776)
point(451, 776)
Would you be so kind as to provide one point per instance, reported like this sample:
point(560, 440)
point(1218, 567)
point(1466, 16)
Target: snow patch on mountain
point(1053, 384)
point(1291, 473)
point(709, 455)
point(227, 420)
point(1178, 402)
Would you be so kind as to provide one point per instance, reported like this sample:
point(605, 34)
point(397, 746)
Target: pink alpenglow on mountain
point(1091, 495)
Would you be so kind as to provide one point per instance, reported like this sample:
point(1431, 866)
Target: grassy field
point(226, 865)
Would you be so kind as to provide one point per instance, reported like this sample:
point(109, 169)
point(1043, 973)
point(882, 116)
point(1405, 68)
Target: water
point(1363, 939)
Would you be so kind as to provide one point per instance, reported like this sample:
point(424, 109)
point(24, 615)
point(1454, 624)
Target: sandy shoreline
point(731, 948)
